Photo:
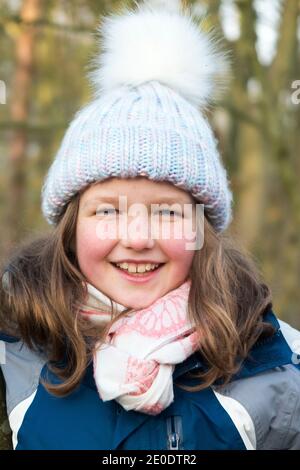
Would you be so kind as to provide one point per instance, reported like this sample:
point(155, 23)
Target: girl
point(122, 337)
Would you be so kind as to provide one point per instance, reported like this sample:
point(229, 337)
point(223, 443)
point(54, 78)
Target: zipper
point(187, 368)
point(174, 433)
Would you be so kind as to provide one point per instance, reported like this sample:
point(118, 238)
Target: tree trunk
point(19, 109)
point(250, 205)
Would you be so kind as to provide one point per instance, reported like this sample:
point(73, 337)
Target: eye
point(170, 212)
point(106, 211)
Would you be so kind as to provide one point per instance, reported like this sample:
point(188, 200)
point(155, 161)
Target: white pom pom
point(159, 41)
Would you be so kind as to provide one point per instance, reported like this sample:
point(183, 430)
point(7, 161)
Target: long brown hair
point(42, 288)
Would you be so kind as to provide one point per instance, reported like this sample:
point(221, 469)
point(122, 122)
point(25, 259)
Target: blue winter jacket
point(258, 409)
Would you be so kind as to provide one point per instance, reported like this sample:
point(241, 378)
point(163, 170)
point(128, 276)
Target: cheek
point(89, 248)
point(176, 251)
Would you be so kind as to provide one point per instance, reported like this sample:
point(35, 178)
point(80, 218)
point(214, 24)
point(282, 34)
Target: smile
point(133, 275)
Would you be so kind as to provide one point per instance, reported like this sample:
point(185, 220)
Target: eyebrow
point(115, 199)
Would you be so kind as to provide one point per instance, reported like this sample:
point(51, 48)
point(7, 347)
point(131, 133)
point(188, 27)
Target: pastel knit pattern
point(145, 129)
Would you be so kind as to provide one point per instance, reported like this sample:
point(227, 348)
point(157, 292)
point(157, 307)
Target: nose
point(137, 234)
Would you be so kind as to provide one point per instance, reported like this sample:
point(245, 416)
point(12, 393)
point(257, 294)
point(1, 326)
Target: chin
point(138, 305)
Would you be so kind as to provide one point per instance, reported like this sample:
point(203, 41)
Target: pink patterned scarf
point(135, 364)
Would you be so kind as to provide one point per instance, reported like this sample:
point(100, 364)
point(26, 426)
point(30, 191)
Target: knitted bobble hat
point(157, 72)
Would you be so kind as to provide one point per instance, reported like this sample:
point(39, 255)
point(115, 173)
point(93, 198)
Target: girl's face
point(100, 240)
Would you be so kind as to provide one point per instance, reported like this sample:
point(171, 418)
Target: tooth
point(132, 268)
point(141, 268)
point(123, 266)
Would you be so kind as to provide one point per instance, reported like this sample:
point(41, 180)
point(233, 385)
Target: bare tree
point(19, 109)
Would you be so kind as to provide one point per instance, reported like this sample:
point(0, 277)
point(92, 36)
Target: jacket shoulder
point(272, 398)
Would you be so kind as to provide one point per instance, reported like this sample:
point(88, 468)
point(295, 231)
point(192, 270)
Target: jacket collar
point(264, 355)
point(267, 354)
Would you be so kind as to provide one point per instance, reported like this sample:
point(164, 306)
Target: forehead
point(139, 189)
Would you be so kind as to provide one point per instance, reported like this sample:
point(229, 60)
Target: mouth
point(138, 277)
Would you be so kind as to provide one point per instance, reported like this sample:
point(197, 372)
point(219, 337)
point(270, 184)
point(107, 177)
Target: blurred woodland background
point(45, 49)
